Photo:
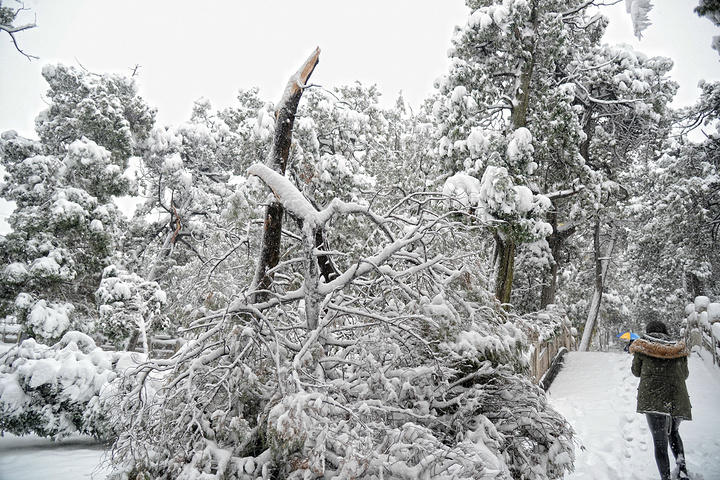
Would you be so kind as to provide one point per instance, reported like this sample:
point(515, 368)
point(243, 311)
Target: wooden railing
point(552, 338)
point(702, 327)
point(9, 332)
point(164, 346)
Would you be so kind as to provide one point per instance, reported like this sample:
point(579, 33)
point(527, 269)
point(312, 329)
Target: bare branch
point(12, 30)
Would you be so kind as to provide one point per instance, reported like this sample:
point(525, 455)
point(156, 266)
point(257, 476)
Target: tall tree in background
point(66, 225)
point(675, 251)
point(625, 117)
point(509, 89)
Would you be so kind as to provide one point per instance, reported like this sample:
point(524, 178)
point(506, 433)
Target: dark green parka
point(662, 367)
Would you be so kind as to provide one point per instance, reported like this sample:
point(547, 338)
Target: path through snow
point(596, 392)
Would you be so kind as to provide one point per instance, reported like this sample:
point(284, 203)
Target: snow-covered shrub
point(130, 307)
point(59, 390)
point(48, 321)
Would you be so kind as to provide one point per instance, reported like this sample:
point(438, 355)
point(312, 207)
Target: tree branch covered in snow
point(396, 369)
point(639, 10)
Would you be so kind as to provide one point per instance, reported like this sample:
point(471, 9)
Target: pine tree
point(66, 226)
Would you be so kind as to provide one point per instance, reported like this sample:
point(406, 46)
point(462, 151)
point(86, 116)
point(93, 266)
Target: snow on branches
point(398, 368)
point(60, 390)
point(639, 10)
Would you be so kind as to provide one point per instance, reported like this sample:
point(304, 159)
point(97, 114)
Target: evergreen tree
point(66, 226)
point(507, 103)
point(675, 254)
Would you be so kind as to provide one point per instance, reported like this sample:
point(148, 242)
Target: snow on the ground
point(34, 458)
point(596, 392)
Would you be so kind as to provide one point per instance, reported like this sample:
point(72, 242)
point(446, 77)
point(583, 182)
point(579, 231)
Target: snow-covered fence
point(551, 336)
point(702, 326)
point(159, 346)
point(164, 346)
point(9, 332)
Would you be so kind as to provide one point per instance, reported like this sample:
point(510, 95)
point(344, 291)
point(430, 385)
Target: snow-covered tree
point(507, 102)
point(401, 367)
point(192, 233)
point(337, 134)
point(675, 251)
point(105, 109)
point(62, 234)
point(131, 308)
point(623, 100)
point(66, 226)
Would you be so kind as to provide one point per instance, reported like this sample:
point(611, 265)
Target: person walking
point(662, 396)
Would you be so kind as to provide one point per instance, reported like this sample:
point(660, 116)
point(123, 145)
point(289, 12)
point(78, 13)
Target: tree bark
point(327, 268)
point(284, 121)
point(504, 267)
point(505, 244)
point(518, 114)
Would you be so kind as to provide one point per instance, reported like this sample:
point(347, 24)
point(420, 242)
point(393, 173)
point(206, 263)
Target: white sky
point(191, 49)
point(212, 49)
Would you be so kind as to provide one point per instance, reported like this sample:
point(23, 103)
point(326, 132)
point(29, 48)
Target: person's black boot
point(682, 473)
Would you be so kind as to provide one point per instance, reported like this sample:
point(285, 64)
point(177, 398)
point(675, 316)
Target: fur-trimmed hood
point(659, 348)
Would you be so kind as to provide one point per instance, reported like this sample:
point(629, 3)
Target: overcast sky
point(192, 49)
point(212, 49)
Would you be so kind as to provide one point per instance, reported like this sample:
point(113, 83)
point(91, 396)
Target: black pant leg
point(659, 429)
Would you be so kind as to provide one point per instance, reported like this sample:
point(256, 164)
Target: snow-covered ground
point(596, 392)
point(33, 458)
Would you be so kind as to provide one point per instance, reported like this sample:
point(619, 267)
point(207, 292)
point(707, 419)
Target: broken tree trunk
point(284, 120)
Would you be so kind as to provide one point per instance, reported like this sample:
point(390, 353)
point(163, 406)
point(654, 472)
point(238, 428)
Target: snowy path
point(596, 392)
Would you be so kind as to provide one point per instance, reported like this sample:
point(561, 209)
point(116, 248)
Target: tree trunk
point(694, 285)
point(284, 120)
point(327, 268)
point(556, 241)
point(504, 267)
point(312, 279)
point(505, 244)
point(518, 114)
point(602, 261)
